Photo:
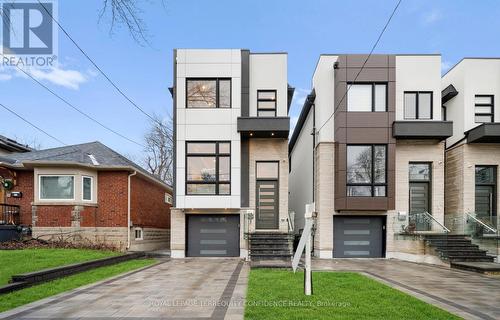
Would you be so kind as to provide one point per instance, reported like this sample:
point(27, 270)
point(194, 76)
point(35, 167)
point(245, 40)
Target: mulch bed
point(39, 243)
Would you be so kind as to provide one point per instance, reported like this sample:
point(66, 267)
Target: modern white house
point(231, 130)
point(470, 99)
point(368, 150)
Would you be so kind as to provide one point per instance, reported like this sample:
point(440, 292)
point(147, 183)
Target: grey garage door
point(358, 237)
point(213, 235)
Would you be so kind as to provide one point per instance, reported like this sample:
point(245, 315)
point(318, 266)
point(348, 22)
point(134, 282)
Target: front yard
point(278, 294)
point(28, 260)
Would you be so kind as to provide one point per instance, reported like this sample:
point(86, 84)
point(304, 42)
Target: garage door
point(358, 237)
point(213, 235)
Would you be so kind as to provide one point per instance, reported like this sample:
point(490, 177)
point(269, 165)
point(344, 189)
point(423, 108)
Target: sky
point(304, 29)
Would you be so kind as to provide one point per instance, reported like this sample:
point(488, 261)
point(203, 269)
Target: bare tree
point(158, 154)
point(126, 13)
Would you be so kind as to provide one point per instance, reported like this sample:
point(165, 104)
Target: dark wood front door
point(267, 204)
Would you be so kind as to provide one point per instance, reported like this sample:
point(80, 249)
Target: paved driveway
point(188, 289)
point(467, 294)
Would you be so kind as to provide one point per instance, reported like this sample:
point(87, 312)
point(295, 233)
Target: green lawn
point(28, 260)
point(24, 296)
point(278, 294)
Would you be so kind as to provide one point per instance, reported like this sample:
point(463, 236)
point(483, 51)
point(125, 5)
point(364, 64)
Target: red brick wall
point(24, 184)
point(148, 207)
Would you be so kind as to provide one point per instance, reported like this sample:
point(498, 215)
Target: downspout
point(128, 209)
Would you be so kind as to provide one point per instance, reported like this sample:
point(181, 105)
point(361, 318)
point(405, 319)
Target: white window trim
point(168, 198)
point(55, 175)
point(91, 189)
point(142, 234)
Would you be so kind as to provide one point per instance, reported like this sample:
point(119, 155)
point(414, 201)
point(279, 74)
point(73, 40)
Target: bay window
point(366, 170)
point(208, 168)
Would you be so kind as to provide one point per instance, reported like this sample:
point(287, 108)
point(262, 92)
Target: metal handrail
point(291, 221)
point(429, 216)
point(482, 223)
point(9, 213)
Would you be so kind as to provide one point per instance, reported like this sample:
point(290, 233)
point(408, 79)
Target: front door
point(419, 203)
point(267, 204)
point(484, 204)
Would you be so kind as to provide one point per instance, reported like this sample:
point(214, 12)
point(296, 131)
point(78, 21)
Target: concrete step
point(285, 246)
point(478, 258)
point(270, 251)
point(437, 243)
point(447, 248)
point(490, 268)
point(445, 236)
point(461, 253)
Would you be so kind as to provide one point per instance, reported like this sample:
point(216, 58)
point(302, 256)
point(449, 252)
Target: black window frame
point(494, 184)
point(217, 92)
point(372, 184)
point(491, 105)
point(275, 100)
point(217, 155)
point(373, 84)
point(417, 105)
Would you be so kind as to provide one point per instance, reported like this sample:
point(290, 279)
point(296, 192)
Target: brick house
point(88, 192)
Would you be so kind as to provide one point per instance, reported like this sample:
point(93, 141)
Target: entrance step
point(490, 268)
point(270, 246)
point(457, 248)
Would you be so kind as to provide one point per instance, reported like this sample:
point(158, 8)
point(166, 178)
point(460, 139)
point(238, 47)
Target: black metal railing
point(9, 214)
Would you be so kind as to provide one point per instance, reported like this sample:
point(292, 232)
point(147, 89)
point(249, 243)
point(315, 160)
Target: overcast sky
point(304, 29)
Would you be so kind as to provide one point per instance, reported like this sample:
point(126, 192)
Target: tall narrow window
point(367, 97)
point(87, 188)
point(486, 194)
point(208, 168)
point(208, 93)
point(484, 109)
point(366, 170)
point(266, 103)
point(418, 105)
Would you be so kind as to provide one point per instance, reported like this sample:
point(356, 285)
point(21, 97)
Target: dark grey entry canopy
point(213, 235)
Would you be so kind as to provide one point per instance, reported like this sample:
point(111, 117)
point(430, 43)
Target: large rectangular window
point(486, 194)
point(367, 97)
point(208, 93)
point(266, 103)
point(366, 170)
point(57, 187)
point(208, 168)
point(418, 105)
point(484, 108)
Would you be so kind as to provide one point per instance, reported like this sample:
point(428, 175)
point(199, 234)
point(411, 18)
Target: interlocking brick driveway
point(188, 289)
point(467, 294)
point(202, 288)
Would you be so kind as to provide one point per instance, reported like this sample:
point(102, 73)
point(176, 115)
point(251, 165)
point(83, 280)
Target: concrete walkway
point(467, 294)
point(174, 289)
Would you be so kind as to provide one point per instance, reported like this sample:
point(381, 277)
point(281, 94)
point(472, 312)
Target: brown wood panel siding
point(364, 127)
